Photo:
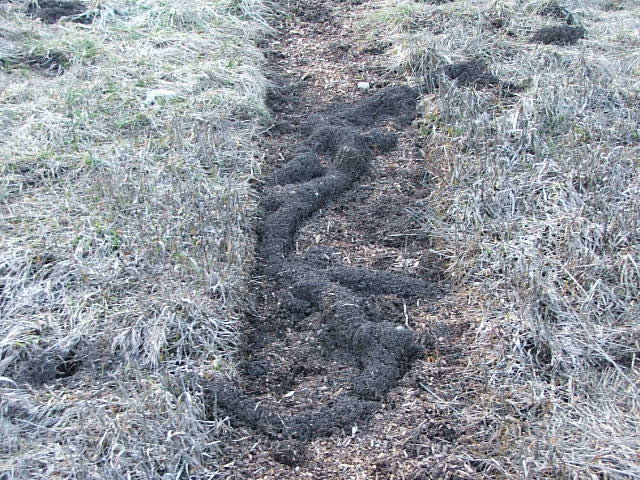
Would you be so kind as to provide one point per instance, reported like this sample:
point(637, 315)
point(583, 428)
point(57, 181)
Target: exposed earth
point(346, 333)
point(51, 11)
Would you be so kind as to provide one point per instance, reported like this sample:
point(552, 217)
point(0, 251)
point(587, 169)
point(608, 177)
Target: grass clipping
point(536, 211)
point(126, 149)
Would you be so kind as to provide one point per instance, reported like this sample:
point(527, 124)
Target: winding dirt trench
point(347, 293)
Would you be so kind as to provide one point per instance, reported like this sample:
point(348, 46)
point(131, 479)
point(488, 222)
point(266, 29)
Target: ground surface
point(346, 329)
point(411, 252)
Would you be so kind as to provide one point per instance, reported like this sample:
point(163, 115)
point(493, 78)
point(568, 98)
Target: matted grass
point(126, 149)
point(536, 211)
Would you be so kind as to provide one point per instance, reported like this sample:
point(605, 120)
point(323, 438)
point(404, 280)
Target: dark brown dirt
point(557, 11)
point(51, 11)
point(323, 308)
point(472, 73)
point(48, 366)
point(51, 64)
point(559, 35)
point(345, 327)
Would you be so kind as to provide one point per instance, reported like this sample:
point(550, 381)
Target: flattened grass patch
point(534, 208)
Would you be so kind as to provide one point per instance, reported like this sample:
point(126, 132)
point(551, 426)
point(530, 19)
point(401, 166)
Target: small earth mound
point(555, 10)
point(472, 73)
point(51, 64)
point(50, 11)
point(613, 5)
point(559, 35)
point(49, 366)
point(376, 48)
point(313, 12)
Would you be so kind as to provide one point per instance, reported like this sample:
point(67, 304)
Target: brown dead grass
point(535, 211)
point(127, 146)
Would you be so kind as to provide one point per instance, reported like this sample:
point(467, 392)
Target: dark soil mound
point(51, 64)
point(554, 10)
point(50, 11)
point(472, 73)
point(559, 35)
point(322, 341)
point(312, 11)
point(49, 366)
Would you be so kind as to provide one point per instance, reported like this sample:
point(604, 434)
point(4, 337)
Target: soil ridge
point(324, 299)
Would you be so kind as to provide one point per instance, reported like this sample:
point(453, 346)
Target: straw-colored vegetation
point(126, 148)
point(125, 152)
point(536, 212)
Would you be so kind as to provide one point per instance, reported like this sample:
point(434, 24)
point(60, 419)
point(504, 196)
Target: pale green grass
point(124, 231)
point(536, 211)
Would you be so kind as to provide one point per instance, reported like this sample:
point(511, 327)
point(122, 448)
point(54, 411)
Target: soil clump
point(472, 73)
point(559, 35)
point(52, 64)
point(51, 11)
point(560, 12)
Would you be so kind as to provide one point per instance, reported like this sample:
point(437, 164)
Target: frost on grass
point(536, 211)
point(124, 244)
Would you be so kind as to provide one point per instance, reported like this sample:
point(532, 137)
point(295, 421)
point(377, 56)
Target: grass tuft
point(124, 231)
point(535, 211)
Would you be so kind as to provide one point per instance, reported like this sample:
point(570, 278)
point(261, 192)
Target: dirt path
point(346, 333)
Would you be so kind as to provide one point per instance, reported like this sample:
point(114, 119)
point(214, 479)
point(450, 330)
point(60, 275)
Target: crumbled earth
point(557, 11)
point(48, 366)
point(348, 330)
point(323, 305)
point(52, 64)
point(559, 35)
point(51, 11)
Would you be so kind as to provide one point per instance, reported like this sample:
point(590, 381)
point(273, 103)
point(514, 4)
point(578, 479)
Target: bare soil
point(559, 35)
point(346, 333)
point(51, 11)
point(51, 65)
point(557, 11)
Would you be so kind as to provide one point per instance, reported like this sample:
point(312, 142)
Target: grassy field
point(126, 150)
point(536, 212)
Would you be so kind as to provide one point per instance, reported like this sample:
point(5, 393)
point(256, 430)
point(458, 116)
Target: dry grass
point(126, 147)
point(536, 211)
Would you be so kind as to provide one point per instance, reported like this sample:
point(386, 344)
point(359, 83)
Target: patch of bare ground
point(51, 11)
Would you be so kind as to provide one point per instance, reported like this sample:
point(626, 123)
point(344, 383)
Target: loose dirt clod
point(49, 366)
point(473, 72)
point(559, 35)
point(555, 10)
point(50, 11)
